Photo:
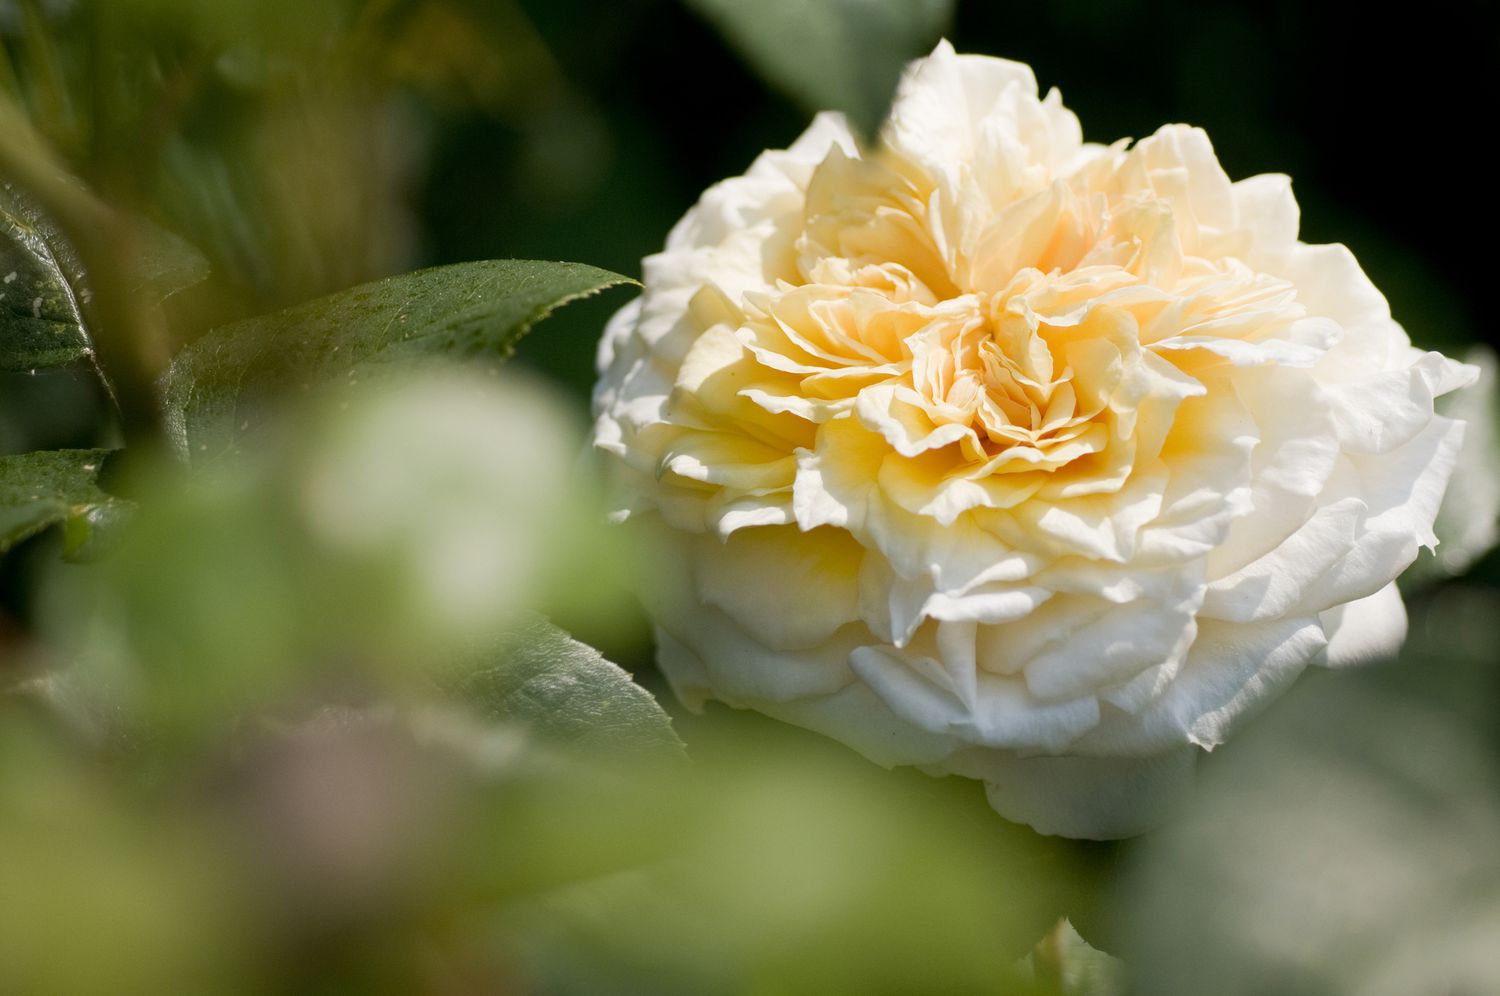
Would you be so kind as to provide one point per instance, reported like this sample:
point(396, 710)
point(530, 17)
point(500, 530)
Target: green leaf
point(218, 387)
point(565, 692)
point(53, 487)
point(44, 291)
point(842, 55)
point(41, 289)
point(168, 263)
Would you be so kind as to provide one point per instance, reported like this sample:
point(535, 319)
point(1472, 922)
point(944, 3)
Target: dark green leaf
point(44, 292)
point(38, 490)
point(41, 289)
point(566, 692)
point(842, 55)
point(217, 388)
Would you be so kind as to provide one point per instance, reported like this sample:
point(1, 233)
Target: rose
point(1001, 454)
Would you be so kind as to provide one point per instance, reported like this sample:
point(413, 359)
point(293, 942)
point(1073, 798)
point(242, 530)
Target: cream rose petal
point(1002, 454)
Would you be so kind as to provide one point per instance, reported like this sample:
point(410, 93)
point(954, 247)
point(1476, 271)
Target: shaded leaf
point(842, 55)
point(566, 692)
point(1344, 845)
point(217, 388)
point(168, 263)
point(42, 289)
point(53, 487)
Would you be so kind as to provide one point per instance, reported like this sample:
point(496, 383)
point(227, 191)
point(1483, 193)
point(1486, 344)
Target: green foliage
point(56, 487)
point(218, 387)
point(1346, 844)
point(306, 728)
point(42, 289)
point(797, 868)
point(397, 539)
point(87, 867)
point(842, 55)
point(566, 691)
point(168, 264)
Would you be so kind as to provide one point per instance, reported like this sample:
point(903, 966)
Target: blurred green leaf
point(54, 487)
point(1343, 846)
point(217, 387)
point(41, 289)
point(800, 868)
point(87, 867)
point(567, 692)
point(842, 55)
point(168, 263)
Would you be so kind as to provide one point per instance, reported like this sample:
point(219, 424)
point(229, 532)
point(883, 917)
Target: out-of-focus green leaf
point(86, 865)
point(1345, 845)
point(168, 263)
point(217, 387)
point(566, 692)
point(801, 869)
point(55, 487)
point(843, 55)
point(42, 289)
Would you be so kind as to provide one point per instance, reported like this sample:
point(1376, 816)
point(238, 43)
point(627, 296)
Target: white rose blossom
point(1002, 454)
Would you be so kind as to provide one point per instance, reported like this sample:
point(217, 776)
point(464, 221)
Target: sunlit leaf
point(567, 692)
point(843, 55)
point(217, 388)
point(55, 487)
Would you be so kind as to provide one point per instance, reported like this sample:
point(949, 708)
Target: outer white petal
point(1268, 219)
point(1232, 669)
point(1095, 798)
point(942, 100)
point(1330, 284)
point(792, 589)
point(617, 331)
point(1377, 412)
point(999, 712)
point(1274, 584)
point(1403, 489)
point(1369, 629)
point(742, 671)
point(1177, 166)
point(771, 186)
point(1113, 648)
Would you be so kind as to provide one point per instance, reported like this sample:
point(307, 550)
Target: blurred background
point(1346, 847)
